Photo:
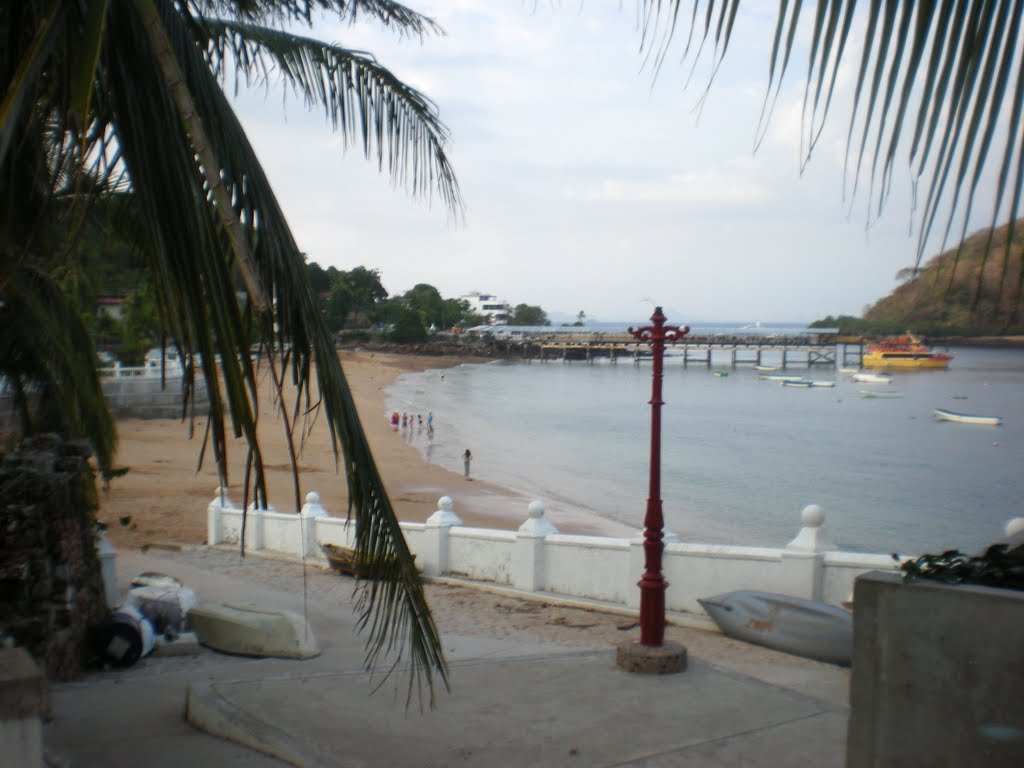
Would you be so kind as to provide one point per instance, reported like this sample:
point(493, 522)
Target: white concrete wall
point(481, 554)
point(537, 558)
point(603, 562)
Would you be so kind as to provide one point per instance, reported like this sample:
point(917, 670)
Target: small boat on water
point(904, 352)
point(966, 418)
point(872, 378)
point(781, 378)
point(848, 369)
point(808, 383)
point(791, 624)
point(721, 374)
point(880, 393)
point(766, 367)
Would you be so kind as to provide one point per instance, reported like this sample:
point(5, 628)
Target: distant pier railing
point(811, 348)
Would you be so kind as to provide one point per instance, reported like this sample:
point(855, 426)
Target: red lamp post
point(652, 584)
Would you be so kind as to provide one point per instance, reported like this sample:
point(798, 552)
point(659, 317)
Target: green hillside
point(945, 297)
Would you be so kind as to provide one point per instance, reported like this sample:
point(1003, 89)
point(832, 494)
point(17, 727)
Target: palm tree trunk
point(175, 80)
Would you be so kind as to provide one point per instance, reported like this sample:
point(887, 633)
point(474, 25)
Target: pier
point(814, 349)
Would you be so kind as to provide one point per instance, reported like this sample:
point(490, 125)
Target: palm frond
point(398, 126)
point(281, 13)
point(48, 355)
point(944, 67)
point(197, 288)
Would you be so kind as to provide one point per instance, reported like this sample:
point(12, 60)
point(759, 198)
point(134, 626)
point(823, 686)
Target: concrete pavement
point(514, 702)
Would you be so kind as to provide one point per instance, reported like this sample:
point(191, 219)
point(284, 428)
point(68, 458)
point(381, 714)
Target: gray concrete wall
point(938, 675)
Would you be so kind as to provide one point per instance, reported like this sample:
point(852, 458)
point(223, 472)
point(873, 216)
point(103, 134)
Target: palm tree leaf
point(46, 349)
point(197, 286)
point(948, 61)
point(280, 14)
point(24, 79)
point(397, 124)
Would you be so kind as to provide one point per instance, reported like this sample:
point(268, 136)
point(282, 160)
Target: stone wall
point(51, 588)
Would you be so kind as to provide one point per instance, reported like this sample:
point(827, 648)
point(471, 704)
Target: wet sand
point(163, 497)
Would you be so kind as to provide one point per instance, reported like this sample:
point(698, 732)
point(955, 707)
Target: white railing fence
point(537, 558)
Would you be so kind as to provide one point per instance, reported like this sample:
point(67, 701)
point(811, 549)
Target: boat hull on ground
point(791, 624)
point(966, 418)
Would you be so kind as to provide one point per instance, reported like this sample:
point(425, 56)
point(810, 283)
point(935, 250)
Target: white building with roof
point(496, 310)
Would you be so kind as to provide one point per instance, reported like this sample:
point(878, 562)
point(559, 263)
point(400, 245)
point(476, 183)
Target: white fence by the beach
point(538, 559)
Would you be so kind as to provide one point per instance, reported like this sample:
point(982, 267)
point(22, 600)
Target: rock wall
point(51, 588)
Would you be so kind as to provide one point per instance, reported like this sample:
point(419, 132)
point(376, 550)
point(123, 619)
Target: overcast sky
point(588, 185)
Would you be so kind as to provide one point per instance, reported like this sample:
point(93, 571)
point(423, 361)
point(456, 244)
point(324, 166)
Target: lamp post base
point(665, 659)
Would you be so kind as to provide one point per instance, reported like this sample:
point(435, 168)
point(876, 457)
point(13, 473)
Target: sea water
point(741, 456)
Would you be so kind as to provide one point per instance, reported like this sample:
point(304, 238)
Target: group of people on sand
point(407, 421)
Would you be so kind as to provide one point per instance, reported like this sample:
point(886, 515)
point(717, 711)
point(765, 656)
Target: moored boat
point(966, 418)
point(880, 393)
point(904, 352)
point(766, 367)
point(808, 383)
point(872, 378)
point(781, 378)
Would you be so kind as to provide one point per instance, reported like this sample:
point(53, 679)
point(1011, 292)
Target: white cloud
point(587, 185)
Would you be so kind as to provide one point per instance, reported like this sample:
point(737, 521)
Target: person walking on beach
point(394, 421)
point(466, 458)
point(405, 421)
point(430, 419)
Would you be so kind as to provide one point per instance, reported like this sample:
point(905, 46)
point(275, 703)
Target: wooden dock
point(707, 352)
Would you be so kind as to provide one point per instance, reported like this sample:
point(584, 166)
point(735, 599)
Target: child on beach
point(394, 421)
point(405, 421)
point(466, 458)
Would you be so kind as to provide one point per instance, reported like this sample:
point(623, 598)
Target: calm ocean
point(742, 456)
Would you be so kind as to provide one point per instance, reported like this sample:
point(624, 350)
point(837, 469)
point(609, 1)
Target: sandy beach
point(162, 499)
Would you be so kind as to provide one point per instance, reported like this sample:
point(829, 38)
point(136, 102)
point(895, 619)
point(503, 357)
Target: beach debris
point(628, 626)
point(562, 621)
point(154, 611)
point(520, 608)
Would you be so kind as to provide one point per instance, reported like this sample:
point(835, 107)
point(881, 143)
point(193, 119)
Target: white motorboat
point(872, 378)
point(880, 393)
point(966, 418)
point(781, 378)
point(808, 383)
point(766, 367)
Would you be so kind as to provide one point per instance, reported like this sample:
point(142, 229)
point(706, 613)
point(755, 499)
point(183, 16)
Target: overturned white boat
point(791, 624)
point(966, 418)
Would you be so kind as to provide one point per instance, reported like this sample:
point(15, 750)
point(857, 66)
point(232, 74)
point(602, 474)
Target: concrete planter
point(938, 674)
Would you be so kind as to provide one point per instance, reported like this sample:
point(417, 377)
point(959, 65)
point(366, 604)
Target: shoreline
point(163, 497)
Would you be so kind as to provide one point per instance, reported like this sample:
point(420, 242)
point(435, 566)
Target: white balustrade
point(537, 558)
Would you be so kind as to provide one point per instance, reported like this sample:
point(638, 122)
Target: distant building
point(490, 306)
point(112, 306)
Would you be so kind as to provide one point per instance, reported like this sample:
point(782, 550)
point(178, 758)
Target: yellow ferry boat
point(904, 352)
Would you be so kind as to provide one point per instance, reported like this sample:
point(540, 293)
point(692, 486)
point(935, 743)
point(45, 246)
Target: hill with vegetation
point(973, 289)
